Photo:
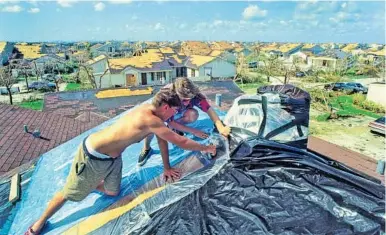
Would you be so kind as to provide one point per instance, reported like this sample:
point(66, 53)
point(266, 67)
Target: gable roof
point(2, 46)
point(381, 52)
point(18, 147)
point(152, 60)
point(195, 48)
point(221, 45)
point(349, 47)
point(29, 51)
point(288, 47)
point(96, 59)
point(167, 50)
point(215, 53)
point(198, 60)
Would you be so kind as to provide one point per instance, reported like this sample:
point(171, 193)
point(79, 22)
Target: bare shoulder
point(148, 118)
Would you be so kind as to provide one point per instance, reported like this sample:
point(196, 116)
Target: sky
point(166, 20)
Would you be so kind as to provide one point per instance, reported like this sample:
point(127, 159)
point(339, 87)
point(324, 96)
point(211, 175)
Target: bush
point(372, 106)
point(358, 98)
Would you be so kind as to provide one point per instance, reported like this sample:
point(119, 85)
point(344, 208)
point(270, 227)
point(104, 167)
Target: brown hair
point(166, 96)
point(186, 88)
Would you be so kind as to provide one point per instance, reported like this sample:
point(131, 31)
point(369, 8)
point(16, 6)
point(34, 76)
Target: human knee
point(191, 115)
point(112, 193)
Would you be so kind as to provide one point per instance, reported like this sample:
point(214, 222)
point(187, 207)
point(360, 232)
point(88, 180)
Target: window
point(193, 73)
point(110, 49)
point(164, 75)
point(208, 71)
point(159, 75)
point(152, 76)
point(324, 62)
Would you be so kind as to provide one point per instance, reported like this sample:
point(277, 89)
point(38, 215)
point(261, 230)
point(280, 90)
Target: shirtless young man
point(98, 163)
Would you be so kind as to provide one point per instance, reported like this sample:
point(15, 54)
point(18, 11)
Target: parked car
point(42, 85)
point(339, 86)
point(378, 126)
point(252, 65)
point(300, 74)
point(357, 87)
point(343, 86)
point(49, 77)
point(4, 91)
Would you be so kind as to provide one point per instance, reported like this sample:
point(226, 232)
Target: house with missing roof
point(150, 67)
point(322, 62)
point(157, 67)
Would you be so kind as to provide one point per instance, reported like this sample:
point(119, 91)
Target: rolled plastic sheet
point(53, 167)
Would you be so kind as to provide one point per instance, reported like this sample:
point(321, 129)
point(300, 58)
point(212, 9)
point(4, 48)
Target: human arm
point(169, 172)
point(160, 130)
point(175, 125)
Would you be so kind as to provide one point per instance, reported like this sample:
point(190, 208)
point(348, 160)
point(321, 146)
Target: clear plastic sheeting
point(279, 113)
point(53, 167)
point(198, 169)
point(250, 116)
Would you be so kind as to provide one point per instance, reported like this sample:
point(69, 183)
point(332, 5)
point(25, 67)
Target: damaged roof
point(29, 51)
point(198, 60)
point(153, 59)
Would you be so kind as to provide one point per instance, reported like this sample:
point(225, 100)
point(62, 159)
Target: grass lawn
point(249, 88)
point(34, 105)
point(345, 107)
point(73, 87)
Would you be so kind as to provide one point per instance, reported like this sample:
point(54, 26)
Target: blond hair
point(185, 88)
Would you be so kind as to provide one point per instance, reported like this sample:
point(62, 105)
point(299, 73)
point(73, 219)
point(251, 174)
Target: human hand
point(210, 149)
point(200, 134)
point(172, 174)
point(225, 131)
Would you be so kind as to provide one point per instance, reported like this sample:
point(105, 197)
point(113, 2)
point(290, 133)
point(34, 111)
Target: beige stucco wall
point(377, 93)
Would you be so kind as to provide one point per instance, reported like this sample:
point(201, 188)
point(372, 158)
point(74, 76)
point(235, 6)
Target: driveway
point(25, 95)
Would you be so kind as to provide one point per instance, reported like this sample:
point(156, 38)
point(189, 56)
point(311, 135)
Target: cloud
point(13, 9)
point(253, 11)
point(34, 10)
point(159, 27)
point(66, 3)
point(100, 6)
point(8, 2)
point(305, 16)
point(344, 5)
point(134, 17)
point(217, 22)
point(182, 26)
point(120, 1)
point(283, 22)
point(342, 16)
point(33, 2)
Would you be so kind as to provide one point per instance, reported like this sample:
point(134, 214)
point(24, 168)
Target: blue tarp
point(53, 167)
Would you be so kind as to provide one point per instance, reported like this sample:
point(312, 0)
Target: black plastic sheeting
point(272, 188)
point(294, 100)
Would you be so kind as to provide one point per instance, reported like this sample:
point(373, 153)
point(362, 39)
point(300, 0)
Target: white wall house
point(126, 76)
point(207, 66)
point(324, 63)
point(376, 93)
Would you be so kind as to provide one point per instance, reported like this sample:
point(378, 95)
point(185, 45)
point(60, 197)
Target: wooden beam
point(14, 194)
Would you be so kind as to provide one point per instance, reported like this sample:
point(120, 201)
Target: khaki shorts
point(87, 173)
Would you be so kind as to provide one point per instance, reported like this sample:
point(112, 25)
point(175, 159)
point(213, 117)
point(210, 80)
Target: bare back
point(129, 129)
